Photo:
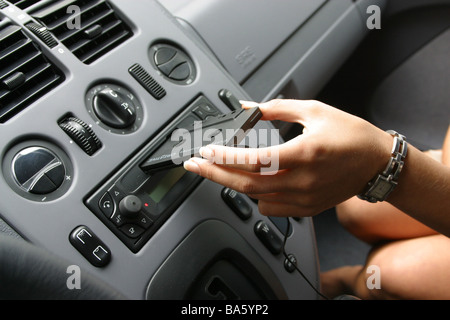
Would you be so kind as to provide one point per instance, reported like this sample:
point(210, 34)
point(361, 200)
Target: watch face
point(381, 188)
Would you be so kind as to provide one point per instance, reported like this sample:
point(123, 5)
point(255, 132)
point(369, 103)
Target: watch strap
point(383, 184)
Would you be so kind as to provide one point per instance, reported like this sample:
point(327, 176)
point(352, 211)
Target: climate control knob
point(82, 134)
point(114, 109)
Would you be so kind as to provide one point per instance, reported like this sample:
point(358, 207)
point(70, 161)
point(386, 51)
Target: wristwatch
point(382, 185)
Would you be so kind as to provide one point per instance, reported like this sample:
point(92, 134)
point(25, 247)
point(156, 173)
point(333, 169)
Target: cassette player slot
point(184, 143)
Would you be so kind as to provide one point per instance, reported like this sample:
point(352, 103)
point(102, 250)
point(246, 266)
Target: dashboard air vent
point(89, 28)
point(25, 74)
point(23, 4)
point(3, 5)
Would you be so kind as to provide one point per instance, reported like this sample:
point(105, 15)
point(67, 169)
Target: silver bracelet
point(381, 186)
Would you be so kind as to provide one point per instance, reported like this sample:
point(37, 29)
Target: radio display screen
point(174, 175)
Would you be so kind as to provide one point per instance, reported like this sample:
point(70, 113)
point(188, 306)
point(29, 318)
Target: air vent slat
point(107, 30)
point(112, 42)
point(15, 49)
point(9, 35)
point(29, 95)
point(3, 5)
point(25, 73)
point(23, 4)
point(100, 28)
point(78, 33)
point(19, 64)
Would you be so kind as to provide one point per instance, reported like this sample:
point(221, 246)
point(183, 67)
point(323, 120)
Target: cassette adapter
point(184, 143)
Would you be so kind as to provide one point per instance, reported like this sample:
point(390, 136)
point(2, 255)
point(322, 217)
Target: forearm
point(423, 191)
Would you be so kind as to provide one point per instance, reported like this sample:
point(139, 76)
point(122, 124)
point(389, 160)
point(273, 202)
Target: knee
point(354, 219)
point(347, 216)
point(385, 278)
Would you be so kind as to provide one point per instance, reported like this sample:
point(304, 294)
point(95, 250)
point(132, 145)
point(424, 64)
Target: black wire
point(295, 266)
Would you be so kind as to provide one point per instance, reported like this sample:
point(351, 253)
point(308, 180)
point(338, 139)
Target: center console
point(104, 97)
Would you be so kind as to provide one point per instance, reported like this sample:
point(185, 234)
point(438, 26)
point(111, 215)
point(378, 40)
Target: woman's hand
point(333, 160)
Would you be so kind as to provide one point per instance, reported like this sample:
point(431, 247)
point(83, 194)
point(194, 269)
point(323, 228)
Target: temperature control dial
point(82, 134)
point(115, 108)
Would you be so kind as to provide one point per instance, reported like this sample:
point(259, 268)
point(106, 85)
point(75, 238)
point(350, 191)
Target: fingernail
point(206, 152)
point(250, 104)
point(191, 166)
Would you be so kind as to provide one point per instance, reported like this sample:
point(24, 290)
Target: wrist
point(381, 186)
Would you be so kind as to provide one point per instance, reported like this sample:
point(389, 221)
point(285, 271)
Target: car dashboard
point(90, 89)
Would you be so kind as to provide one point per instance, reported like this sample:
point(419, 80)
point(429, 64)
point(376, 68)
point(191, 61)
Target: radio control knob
point(130, 206)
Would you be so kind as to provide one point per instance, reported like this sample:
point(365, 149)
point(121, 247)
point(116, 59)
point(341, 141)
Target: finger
point(241, 181)
point(267, 160)
point(285, 110)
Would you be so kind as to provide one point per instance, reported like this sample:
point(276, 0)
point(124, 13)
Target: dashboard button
point(164, 54)
point(90, 246)
point(181, 72)
point(268, 237)
point(118, 219)
point(132, 230)
point(169, 66)
point(144, 221)
point(116, 193)
point(106, 205)
point(237, 203)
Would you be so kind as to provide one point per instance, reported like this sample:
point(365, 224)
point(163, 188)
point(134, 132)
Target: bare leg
point(373, 223)
point(340, 281)
point(410, 269)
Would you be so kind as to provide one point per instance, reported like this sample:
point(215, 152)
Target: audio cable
point(295, 265)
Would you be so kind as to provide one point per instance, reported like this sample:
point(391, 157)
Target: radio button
point(132, 230)
point(116, 193)
point(144, 221)
point(118, 219)
point(106, 205)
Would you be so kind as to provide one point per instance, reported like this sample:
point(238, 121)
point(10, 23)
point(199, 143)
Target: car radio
point(136, 202)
